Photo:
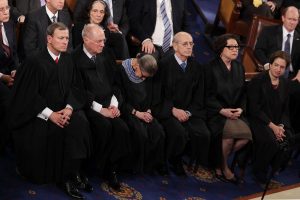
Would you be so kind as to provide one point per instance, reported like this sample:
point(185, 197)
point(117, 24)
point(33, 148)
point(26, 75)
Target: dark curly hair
point(85, 15)
point(221, 42)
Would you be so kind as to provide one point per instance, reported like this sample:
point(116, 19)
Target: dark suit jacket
point(119, 13)
point(9, 64)
point(27, 6)
point(35, 28)
point(142, 17)
point(270, 40)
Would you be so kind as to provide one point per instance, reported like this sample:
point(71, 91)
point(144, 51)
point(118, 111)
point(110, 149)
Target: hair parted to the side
point(280, 54)
point(57, 25)
point(221, 42)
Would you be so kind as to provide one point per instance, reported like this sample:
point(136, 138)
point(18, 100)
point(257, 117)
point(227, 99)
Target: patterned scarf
point(130, 72)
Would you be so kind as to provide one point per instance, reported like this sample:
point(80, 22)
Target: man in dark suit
point(37, 22)
point(27, 6)
point(150, 28)
point(284, 38)
point(8, 62)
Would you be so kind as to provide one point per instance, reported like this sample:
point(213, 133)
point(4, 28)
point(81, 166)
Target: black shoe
point(113, 181)
point(178, 169)
point(71, 190)
point(82, 183)
point(163, 170)
point(234, 180)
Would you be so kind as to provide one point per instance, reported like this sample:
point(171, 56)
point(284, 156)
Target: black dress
point(147, 138)
point(41, 146)
point(267, 104)
point(224, 89)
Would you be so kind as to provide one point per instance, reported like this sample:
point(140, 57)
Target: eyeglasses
point(4, 9)
point(186, 44)
point(233, 47)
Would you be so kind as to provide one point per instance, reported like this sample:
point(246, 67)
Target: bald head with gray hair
point(90, 30)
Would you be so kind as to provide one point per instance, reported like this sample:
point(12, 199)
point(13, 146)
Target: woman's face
point(277, 68)
point(231, 50)
point(97, 13)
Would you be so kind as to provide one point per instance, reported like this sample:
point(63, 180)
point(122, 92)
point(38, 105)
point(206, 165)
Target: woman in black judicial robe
point(41, 146)
point(268, 97)
point(140, 96)
point(226, 101)
point(97, 12)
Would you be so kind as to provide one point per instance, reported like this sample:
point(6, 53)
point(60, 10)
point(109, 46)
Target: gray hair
point(89, 28)
point(147, 63)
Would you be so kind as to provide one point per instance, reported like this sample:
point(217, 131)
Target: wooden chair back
point(229, 14)
point(249, 61)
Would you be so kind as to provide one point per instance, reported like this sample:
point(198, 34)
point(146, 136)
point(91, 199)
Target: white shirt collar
point(50, 14)
point(179, 61)
point(285, 32)
point(87, 52)
point(53, 55)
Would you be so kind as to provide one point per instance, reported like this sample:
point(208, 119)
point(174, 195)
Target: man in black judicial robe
point(50, 132)
point(183, 106)
point(110, 133)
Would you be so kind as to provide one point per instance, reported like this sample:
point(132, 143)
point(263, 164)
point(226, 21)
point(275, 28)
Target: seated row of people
point(138, 116)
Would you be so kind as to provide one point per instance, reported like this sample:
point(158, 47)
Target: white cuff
point(1, 74)
point(96, 106)
point(45, 114)
point(267, 66)
point(114, 101)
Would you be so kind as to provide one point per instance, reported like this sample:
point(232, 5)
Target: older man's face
point(184, 46)
point(94, 41)
point(4, 11)
point(290, 19)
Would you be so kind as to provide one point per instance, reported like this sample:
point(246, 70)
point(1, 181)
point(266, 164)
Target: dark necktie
point(183, 66)
point(56, 60)
point(287, 49)
point(53, 19)
point(6, 48)
point(93, 58)
point(167, 25)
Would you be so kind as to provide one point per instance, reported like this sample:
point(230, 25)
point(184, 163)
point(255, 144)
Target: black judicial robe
point(41, 146)
point(224, 89)
point(184, 90)
point(265, 105)
point(147, 138)
point(111, 136)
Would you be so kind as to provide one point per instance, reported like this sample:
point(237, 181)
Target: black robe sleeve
point(26, 100)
